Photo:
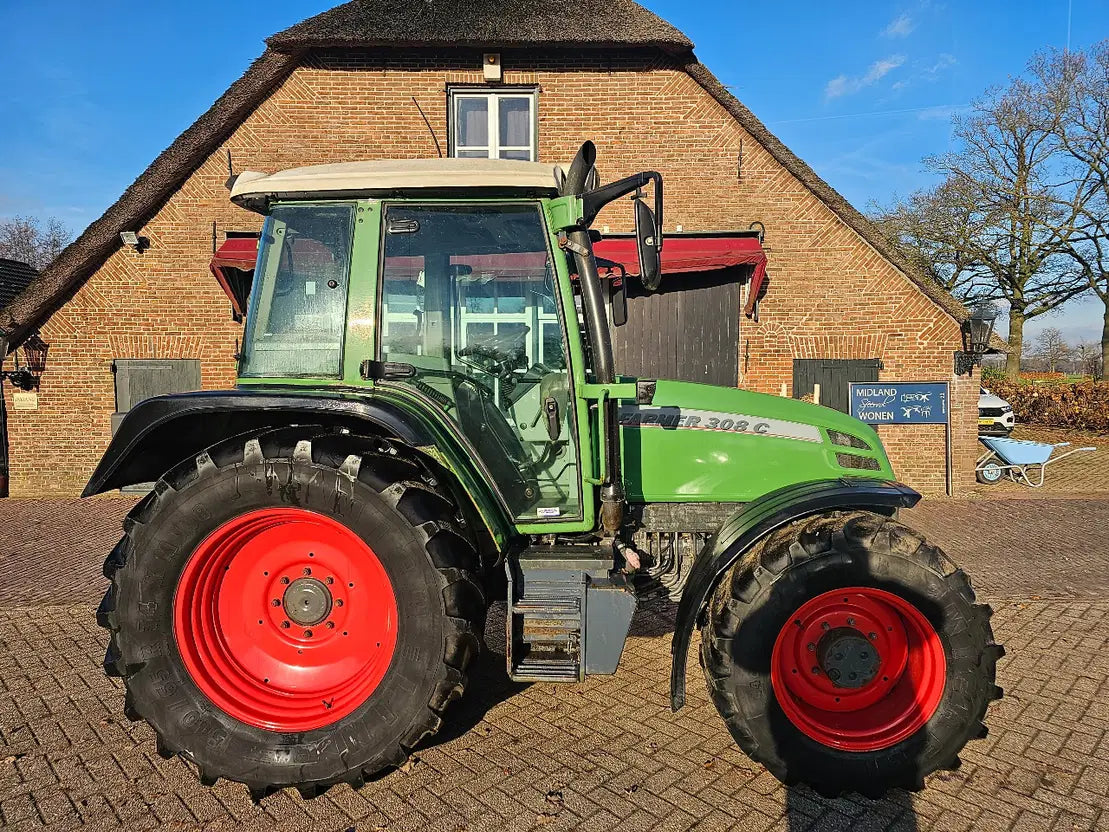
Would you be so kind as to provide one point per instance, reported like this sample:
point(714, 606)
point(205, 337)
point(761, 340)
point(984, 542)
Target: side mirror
point(646, 237)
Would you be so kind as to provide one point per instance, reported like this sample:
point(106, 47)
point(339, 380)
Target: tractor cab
point(450, 282)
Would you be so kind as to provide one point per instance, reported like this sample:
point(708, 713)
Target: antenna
point(434, 138)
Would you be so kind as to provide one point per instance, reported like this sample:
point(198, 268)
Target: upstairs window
point(493, 124)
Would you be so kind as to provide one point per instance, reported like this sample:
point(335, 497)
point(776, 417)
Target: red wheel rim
point(858, 669)
point(285, 619)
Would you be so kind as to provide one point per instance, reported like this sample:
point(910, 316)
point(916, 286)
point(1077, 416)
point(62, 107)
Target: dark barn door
point(688, 330)
point(833, 375)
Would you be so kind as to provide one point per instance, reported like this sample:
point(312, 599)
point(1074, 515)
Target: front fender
point(751, 523)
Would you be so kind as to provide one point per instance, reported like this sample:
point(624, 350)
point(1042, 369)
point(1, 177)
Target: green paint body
point(671, 450)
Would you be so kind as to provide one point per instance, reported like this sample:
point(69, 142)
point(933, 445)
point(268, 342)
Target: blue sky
point(92, 92)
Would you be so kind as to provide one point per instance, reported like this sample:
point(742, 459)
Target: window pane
point(523, 155)
point(515, 121)
point(298, 311)
point(472, 154)
point(472, 119)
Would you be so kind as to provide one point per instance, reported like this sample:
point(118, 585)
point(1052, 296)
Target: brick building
point(379, 80)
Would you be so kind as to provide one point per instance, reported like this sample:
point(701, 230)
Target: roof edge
point(825, 192)
point(148, 194)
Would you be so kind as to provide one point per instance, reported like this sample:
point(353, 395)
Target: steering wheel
point(495, 361)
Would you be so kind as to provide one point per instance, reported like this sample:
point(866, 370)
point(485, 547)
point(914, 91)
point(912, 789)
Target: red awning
point(682, 253)
point(230, 264)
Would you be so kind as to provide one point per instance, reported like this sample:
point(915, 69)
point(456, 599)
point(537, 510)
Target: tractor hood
point(699, 443)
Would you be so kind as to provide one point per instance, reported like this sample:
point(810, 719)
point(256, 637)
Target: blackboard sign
point(900, 403)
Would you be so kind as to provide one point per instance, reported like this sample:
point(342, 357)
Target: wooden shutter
point(833, 375)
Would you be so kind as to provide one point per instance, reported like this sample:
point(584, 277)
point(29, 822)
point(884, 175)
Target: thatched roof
point(502, 23)
point(15, 276)
point(362, 24)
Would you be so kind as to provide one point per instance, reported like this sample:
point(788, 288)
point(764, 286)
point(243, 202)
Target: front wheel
point(846, 652)
point(990, 473)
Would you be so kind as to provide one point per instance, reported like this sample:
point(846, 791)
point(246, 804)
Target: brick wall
point(831, 296)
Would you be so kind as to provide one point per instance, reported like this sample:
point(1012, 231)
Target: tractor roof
point(251, 188)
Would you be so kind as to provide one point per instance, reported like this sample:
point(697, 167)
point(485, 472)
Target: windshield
point(297, 311)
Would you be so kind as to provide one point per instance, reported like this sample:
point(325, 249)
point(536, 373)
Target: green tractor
point(427, 418)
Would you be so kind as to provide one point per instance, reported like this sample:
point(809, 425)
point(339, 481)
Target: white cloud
point(899, 27)
point(926, 72)
point(847, 85)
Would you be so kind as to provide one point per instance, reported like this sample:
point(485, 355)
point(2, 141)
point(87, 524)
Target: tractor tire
point(295, 608)
point(847, 653)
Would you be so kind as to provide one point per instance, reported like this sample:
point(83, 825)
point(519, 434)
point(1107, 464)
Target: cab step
point(568, 614)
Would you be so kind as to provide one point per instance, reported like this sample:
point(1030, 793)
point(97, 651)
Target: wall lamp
point(34, 357)
point(976, 331)
point(130, 238)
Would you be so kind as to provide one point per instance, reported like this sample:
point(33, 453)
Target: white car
point(995, 415)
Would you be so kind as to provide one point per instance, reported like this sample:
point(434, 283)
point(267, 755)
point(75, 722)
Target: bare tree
point(32, 241)
point(930, 228)
point(1076, 86)
point(1030, 204)
point(1052, 349)
point(1003, 223)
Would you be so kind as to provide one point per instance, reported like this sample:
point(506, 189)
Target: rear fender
point(159, 433)
point(754, 521)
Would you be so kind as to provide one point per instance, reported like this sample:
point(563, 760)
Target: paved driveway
point(604, 755)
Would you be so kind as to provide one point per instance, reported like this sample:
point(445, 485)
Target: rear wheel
point(286, 611)
point(847, 653)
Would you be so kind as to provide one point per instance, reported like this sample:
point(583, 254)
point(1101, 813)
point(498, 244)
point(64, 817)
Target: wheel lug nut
point(308, 634)
point(872, 636)
point(331, 625)
point(338, 602)
point(276, 602)
point(825, 626)
point(284, 580)
point(811, 647)
point(307, 570)
point(284, 625)
point(330, 580)
point(850, 622)
point(815, 669)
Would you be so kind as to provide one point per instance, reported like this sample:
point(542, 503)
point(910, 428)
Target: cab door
point(471, 319)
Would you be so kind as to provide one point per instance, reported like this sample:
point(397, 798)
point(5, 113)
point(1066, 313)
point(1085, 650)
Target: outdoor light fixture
point(34, 358)
point(977, 331)
point(130, 238)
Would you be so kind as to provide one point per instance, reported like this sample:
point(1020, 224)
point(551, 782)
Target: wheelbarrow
point(1019, 460)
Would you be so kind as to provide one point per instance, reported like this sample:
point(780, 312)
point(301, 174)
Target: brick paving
point(604, 755)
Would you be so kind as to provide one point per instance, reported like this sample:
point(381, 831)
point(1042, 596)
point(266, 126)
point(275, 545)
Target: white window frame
point(493, 98)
